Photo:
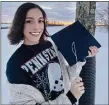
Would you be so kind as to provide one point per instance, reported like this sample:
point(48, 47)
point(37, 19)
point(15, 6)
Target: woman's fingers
point(93, 51)
point(96, 49)
point(82, 88)
point(80, 85)
point(78, 79)
point(77, 87)
point(83, 91)
point(89, 54)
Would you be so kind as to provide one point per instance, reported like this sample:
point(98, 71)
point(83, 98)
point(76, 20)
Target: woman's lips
point(34, 33)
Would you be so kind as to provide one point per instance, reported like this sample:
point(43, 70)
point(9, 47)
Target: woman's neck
point(30, 43)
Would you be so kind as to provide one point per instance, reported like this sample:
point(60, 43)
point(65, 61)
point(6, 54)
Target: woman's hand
point(93, 51)
point(77, 87)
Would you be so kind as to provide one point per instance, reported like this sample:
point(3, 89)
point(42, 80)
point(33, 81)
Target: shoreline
point(7, 27)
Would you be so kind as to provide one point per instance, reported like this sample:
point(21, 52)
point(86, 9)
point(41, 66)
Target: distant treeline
point(48, 25)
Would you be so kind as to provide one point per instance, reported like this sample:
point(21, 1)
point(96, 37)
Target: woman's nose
point(36, 26)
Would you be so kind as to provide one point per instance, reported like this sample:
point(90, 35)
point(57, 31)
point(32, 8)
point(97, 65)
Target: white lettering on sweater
point(39, 61)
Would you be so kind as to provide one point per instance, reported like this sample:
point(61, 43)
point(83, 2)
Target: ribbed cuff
point(37, 104)
point(71, 97)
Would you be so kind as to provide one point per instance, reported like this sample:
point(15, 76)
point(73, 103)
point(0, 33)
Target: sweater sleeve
point(62, 99)
point(75, 70)
point(70, 97)
point(27, 94)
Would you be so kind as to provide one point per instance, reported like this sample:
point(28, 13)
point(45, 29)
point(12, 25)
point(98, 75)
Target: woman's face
point(33, 27)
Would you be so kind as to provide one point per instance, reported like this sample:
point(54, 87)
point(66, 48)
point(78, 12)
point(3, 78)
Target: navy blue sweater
point(38, 66)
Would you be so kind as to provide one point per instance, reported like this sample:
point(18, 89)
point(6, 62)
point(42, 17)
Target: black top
point(38, 66)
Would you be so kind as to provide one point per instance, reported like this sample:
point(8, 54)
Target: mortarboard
point(73, 42)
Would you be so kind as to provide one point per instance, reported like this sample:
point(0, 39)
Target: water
point(101, 68)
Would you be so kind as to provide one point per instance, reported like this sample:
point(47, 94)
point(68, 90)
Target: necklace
point(33, 47)
point(30, 48)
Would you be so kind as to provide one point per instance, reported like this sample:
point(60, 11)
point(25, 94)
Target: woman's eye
point(28, 21)
point(41, 21)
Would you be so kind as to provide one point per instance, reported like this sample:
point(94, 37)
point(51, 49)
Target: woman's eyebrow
point(29, 18)
point(33, 18)
point(41, 18)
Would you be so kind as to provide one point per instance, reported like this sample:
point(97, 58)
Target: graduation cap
point(73, 42)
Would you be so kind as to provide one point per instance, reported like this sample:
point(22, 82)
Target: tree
point(85, 13)
point(102, 14)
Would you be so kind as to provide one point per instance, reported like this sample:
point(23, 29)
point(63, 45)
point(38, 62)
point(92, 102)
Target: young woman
point(37, 73)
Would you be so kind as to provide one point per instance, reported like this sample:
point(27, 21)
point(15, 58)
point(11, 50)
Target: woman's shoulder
point(49, 40)
point(14, 72)
point(46, 44)
point(16, 55)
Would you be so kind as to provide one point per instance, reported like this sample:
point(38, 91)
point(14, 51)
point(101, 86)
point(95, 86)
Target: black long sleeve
point(37, 104)
point(71, 97)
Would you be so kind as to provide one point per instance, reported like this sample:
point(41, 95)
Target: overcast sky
point(59, 11)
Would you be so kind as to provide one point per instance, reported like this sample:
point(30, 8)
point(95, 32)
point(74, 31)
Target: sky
point(58, 11)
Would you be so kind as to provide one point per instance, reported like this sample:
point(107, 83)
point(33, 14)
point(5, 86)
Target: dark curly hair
point(16, 35)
